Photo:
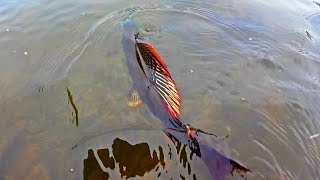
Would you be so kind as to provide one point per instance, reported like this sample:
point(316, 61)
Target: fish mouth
point(125, 21)
point(129, 28)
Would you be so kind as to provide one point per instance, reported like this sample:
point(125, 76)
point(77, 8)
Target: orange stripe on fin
point(157, 72)
point(152, 58)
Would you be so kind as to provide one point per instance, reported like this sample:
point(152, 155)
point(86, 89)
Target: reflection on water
point(139, 159)
point(133, 160)
point(92, 169)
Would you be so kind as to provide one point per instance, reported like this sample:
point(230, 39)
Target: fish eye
point(136, 36)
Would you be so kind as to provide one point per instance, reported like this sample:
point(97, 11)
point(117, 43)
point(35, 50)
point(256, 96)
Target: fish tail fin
point(236, 167)
point(219, 165)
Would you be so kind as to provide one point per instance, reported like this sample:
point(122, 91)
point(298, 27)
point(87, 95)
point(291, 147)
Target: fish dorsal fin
point(157, 72)
point(152, 58)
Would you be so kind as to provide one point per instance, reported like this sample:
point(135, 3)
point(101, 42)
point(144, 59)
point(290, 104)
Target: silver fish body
point(219, 165)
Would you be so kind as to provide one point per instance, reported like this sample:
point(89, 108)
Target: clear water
point(249, 69)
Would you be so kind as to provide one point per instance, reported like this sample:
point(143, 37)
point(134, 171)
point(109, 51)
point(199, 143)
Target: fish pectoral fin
point(133, 99)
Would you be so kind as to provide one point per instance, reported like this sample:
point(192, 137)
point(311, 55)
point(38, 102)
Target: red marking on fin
point(152, 58)
point(159, 75)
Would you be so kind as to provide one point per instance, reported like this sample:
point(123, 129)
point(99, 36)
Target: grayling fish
point(154, 86)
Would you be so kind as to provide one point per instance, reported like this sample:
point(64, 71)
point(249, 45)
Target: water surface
point(247, 69)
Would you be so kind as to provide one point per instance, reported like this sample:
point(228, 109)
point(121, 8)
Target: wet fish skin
point(146, 90)
point(219, 165)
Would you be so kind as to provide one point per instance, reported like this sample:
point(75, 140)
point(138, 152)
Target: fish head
point(130, 29)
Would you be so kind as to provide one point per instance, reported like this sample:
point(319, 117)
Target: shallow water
point(249, 69)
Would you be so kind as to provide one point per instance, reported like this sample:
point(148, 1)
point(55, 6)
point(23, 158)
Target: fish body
point(155, 87)
point(141, 83)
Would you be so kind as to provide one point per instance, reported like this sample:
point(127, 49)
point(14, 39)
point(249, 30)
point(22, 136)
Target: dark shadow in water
point(316, 3)
point(73, 104)
point(133, 160)
point(183, 155)
point(92, 169)
point(137, 160)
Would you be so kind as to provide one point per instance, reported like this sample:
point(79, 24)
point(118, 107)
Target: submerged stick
point(73, 106)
